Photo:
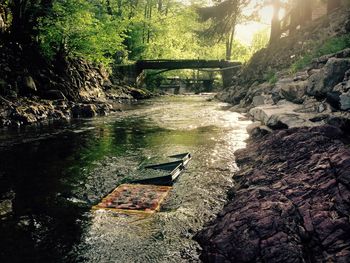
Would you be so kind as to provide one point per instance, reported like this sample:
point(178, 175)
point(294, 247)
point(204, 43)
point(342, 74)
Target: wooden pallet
point(134, 199)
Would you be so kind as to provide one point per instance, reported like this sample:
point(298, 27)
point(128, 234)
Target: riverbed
point(51, 176)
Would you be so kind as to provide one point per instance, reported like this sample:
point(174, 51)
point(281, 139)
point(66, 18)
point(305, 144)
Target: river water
point(50, 176)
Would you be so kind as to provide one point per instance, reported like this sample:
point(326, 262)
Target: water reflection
point(56, 177)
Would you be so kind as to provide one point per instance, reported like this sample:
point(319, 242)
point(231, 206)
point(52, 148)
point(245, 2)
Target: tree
point(25, 15)
point(3, 18)
point(275, 22)
point(260, 40)
point(224, 17)
point(304, 10)
point(82, 28)
point(332, 5)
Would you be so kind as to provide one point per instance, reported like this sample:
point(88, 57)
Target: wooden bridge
point(184, 64)
point(132, 73)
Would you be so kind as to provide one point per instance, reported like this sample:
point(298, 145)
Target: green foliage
point(271, 77)
point(153, 81)
point(260, 40)
point(332, 45)
point(81, 28)
point(120, 30)
point(301, 63)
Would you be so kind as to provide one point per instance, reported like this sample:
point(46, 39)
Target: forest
point(121, 31)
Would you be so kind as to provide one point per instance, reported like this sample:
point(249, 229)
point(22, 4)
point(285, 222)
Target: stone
point(340, 120)
point(339, 96)
point(5, 207)
point(29, 84)
point(282, 115)
point(290, 201)
point(301, 76)
point(262, 99)
point(257, 130)
point(84, 110)
point(54, 95)
point(347, 75)
point(107, 84)
point(23, 115)
point(331, 74)
point(253, 126)
point(344, 101)
point(333, 98)
point(292, 91)
point(311, 105)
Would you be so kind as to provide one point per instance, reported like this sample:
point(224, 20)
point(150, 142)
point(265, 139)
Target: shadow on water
point(48, 183)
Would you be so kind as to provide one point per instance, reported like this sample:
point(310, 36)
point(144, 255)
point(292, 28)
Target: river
point(50, 176)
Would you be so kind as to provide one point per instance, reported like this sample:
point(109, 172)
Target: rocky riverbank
point(33, 90)
point(319, 95)
point(30, 110)
point(275, 90)
point(290, 202)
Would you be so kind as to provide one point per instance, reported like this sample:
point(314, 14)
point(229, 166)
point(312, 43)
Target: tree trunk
point(229, 44)
point(294, 20)
point(275, 23)
point(332, 5)
point(160, 6)
point(144, 23)
point(149, 20)
point(306, 11)
point(109, 8)
point(2, 20)
point(18, 10)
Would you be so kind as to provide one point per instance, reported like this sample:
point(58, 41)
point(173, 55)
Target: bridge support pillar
point(128, 74)
point(227, 76)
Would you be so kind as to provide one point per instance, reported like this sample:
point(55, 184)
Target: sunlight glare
point(266, 14)
point(246, 31)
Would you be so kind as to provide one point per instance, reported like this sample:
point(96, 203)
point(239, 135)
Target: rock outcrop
point(291, 202)
point(33, 90)
point(308, 98)
point(318, 93)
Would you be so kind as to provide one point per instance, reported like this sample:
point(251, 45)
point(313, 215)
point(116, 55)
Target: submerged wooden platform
point(145, 196)
point(134, 199)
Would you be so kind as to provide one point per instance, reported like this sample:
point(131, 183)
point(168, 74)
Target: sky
point(245, 32)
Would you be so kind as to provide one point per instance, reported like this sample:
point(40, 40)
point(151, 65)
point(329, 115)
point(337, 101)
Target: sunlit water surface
point(53, 175)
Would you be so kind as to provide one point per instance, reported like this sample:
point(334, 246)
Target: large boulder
point(322, 82)
point(292, 90)
point(260, 94)
point(340, 120)
point(232, 95)
point(84, 110)
point(54, 95)
point(262, 99)
point(345, 101)
point(339, 97)
point(283, 115)
point(29, 85)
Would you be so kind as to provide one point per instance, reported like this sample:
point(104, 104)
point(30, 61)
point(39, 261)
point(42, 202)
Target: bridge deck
point(184, 64)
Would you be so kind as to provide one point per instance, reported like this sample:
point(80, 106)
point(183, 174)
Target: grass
point(332, 45)
point(271, 77)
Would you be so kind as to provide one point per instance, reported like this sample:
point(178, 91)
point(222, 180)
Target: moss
point(330, 46)
point(301, 63)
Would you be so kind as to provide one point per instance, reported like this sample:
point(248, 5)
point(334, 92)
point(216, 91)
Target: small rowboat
point(172, 171)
